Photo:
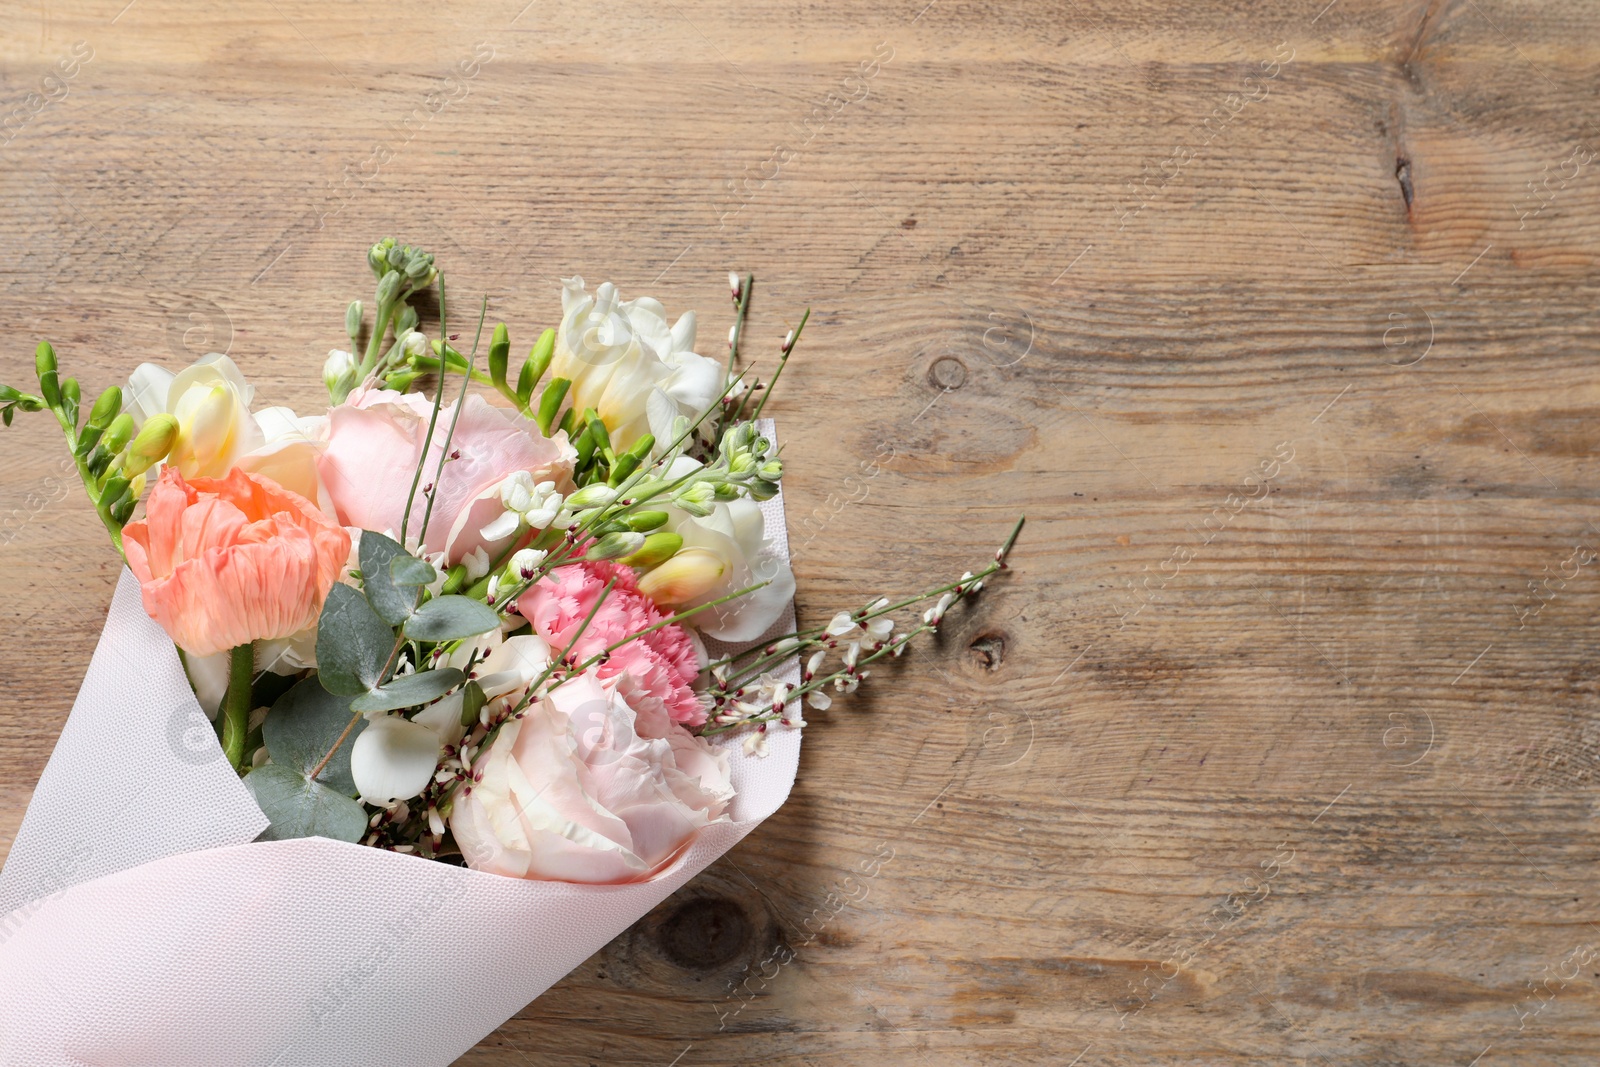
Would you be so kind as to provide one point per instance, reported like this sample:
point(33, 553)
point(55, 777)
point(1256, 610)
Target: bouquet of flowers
point(404, 709)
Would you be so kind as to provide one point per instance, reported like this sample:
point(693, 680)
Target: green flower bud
point(771, 470)
point(388, 287)
point(44, 362)
point(352, 320)
point(419, 267)
point(595, 495)
point(396, 256)
point(615, 545)
point(499, 356)
point(116, 486)
point(696, 499)
point(118, 434)
point(644, 521)
point(122, 510)
point(406, 321)
point(657, 549)
point(70, 397)
point(152, 444)
point(106, 407)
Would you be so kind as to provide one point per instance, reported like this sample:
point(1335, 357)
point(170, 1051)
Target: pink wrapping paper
point(141, 924)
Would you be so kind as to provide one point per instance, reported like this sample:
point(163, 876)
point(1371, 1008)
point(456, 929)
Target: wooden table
point(1280, 744)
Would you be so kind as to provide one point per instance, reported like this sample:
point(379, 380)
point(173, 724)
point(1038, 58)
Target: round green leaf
point(299, 807)
point(393, 602)
point(302, 727)
point(446, 618)
point(409, 690)
point(353, 643)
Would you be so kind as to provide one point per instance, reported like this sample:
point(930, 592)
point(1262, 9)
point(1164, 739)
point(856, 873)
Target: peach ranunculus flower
point(225, 561)
point(572, 792)
point(377, 436)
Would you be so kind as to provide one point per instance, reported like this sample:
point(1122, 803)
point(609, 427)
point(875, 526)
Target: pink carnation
point(655, 673)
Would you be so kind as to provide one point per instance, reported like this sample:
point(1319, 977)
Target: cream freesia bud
point(339, 374)
point(691, 573)
point(152, 444)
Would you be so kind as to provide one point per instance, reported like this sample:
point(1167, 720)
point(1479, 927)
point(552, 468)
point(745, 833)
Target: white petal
point(148, 388)
point(393, 759)
point(209, 675)
point(501, 528)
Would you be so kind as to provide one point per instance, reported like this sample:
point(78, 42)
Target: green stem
point(236, 705)
point(380, 328)
point(429, 363)
point(102, 508)
point(784, 362)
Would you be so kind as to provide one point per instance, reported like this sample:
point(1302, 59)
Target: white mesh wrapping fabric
point(161, 935)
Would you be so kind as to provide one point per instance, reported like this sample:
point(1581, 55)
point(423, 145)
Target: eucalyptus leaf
point(472, 701)
point(299, 807)
point(409, 690)
point(302, 727)
point(393, 602)
point(353, 643)
point(409, 570)
point(446, 618)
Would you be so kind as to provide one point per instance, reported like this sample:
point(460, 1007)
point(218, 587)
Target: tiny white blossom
point(852, 652)
point(755, 743)
point(815, 662)
point(525, 561)
point(820, 700)
point(880, 628)
point(842, 624)
point(435, 823)
point(544, 505)
point(477, 563)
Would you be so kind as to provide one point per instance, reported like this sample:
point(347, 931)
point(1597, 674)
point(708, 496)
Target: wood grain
point(1231, 769)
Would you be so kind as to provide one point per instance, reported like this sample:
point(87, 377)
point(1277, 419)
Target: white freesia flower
point(624, 361)
point(216, 431)
point(476, 562)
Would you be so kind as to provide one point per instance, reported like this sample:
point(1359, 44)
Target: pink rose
point(376, 437)
point(570, 792)
point(655, 673)
point(225, 561)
